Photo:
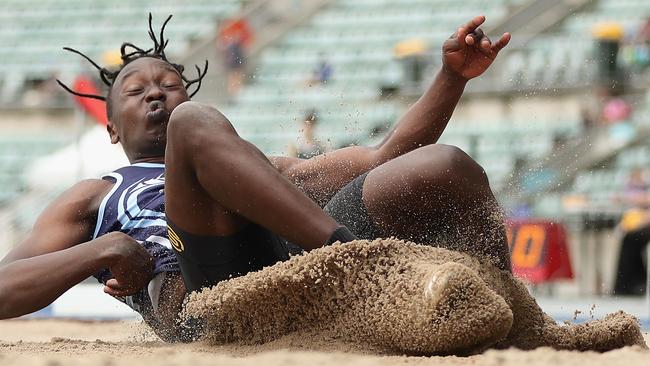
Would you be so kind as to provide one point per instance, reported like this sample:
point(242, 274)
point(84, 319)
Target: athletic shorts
point(207, 260)
point(347, 208)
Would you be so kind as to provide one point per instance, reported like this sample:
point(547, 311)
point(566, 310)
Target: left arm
point(466, 54)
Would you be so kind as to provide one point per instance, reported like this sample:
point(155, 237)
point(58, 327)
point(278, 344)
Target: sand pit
point(57, 342)
point(381, 302)
point(394, 297)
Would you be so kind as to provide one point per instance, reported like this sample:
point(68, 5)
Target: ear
point(112, 132)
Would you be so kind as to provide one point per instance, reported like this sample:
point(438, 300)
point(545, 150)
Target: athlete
point(198, 204)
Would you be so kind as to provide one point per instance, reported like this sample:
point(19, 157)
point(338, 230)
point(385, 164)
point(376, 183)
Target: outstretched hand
point(469, 52)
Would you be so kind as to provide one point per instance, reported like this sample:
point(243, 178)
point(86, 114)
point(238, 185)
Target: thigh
point(414, 194)
point(406, 197)
point(378, 203)
point(187, 204)
point(437, 195)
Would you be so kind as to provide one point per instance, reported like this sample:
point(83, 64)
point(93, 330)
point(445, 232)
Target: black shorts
point(347, 208)
point(207, 260)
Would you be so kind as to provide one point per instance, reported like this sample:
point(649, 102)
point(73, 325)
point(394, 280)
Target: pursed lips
point(156, 112)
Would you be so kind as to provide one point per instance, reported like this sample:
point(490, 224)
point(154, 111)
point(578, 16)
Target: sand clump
point(393, 297)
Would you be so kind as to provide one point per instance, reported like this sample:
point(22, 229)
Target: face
point(311, 119)
point(143, 96)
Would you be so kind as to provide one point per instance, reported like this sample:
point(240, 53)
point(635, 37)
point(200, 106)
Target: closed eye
point(134, 91)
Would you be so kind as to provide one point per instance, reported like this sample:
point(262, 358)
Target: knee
point(457, 160)
point(196, 125)
point(450, 164)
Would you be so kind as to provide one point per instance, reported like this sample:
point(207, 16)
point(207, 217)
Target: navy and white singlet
point(136, 206)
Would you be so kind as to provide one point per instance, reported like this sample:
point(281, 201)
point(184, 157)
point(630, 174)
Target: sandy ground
point(58, 342)
point(366, 294)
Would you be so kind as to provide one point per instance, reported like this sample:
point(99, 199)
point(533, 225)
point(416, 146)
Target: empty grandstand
point(525, 121)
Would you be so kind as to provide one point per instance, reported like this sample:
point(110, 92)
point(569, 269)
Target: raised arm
point(59, 253)
point(466, 54)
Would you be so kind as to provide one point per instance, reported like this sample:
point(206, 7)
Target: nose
point(155, 92)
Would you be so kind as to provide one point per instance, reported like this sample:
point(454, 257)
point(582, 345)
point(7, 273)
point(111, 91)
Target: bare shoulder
point(77, 206)
point(86, 195)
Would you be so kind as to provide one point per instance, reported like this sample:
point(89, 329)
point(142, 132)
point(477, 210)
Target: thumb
point(117, 293)
point(113, 283)
point(114, 288)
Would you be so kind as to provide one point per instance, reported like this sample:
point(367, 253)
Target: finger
point(461, 37)
point(502, 42)
point(111, 291)
point(114, 284)
point(486, 44)
point(120, 293)
point(474, 37)
point(474, 23)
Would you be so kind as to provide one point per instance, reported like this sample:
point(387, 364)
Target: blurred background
point(560, 122)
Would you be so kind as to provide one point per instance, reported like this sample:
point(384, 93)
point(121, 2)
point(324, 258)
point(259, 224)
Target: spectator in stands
point(411, 53)
point(308, 146)
point(233, 39)
point(322, 73)
point(636, 50)
point(608, 37)
point(642, 42)
point(605, 108)
point(616, 109)
point(588, 122)
point(643, 35)
point(631, 271)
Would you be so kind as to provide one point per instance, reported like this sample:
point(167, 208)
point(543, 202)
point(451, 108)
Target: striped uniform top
point(136, 206)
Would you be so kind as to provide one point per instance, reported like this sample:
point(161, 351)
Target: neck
point(157, 159)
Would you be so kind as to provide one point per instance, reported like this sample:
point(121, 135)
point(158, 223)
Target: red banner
point(94, 107)
point(539, 250)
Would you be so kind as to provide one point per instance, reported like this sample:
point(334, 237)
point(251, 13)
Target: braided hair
point(129, 53)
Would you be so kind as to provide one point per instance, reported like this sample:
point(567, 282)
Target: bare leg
point(216, 183)
point(437, 194)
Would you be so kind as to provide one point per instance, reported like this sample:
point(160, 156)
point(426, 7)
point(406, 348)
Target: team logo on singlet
point(131, 214)
point(176, 241)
